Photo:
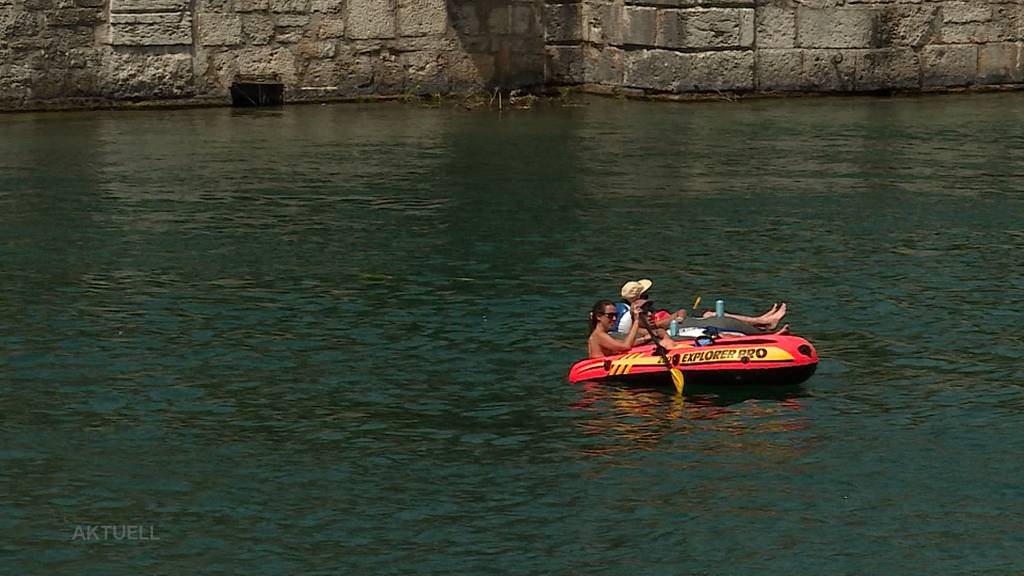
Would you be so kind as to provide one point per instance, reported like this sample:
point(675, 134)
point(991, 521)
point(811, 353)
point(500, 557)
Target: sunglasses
point(609, 314)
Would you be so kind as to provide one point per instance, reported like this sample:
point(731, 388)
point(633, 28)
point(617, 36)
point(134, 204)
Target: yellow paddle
point(676, 373)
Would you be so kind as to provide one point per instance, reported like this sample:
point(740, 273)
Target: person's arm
point(679, 316)
point(609, 343)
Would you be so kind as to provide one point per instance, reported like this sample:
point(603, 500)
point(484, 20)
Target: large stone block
point(19, 24)
point(604, 66)
point(499, 19)
point(639, 25)
point(425, 71)
point(659, 70)
point(63, 40)
point(1000, 64)
point(328, 6)
point(717, 27)
point(728, 4)
point(74, 17)
point(85, 57)
point(1009, 21)
point(969, 23)
point(949, 65)
point(962, 12)
point(207, 6)
point(15, 84)
point(830, 70)
point(292, 20)
point(217, 29)
point(315, 49)
point(665, 3)
point(251, 5)
point(889, 68)
point(350, 72)
point(564, 64)
point(526, 19)
point(909, 25)
point(969, 33)
point(465, 18)
point(151, 29)
point(331, 26)
point(602, 22)
point(469, 72)
point(288, 35)
point(258, 29)
point(837, 28)
point(388, 75)
point(748, 28)
point(131, 75)
point(290, 6)
point(671, 29)
point(563, 22)
point(267, 62)
point(731, 70)
point(320, 77)
point(371, 19)
point(779, 69)
point(148, 5)
point(422, 17)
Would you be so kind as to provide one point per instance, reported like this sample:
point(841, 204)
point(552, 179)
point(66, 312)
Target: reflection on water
point(336, 338)
point(628, 418)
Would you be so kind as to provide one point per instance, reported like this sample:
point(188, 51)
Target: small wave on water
point(338, 338)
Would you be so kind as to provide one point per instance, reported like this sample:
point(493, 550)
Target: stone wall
point(66, 53)
point(694, 46)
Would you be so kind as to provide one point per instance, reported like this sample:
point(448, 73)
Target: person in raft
point(640, 289)
point(602, 316)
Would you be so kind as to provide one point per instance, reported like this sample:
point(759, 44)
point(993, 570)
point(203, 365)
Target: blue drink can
point(720, 308)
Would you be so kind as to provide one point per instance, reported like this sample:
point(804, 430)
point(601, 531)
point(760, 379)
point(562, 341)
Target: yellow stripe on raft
point(753, 354)
point(715, 355)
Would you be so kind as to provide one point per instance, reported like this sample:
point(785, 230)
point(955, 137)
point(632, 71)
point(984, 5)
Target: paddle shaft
point(675, 373)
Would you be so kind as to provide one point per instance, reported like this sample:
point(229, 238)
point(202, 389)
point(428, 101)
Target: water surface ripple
point(334, 339)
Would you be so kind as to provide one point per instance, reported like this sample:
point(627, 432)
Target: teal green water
point(335, 339)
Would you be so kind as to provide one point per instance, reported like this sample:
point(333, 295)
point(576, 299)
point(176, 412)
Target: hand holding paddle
point(676, 373)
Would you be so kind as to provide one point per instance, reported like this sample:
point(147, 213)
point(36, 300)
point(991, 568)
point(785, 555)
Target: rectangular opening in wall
point(252, 94)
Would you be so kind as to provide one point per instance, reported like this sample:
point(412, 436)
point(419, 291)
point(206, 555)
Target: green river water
point(335, 339)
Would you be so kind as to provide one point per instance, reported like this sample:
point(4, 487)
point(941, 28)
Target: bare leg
point(769, 319)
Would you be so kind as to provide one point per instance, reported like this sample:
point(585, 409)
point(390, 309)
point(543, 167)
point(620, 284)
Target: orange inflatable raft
point(769, 359)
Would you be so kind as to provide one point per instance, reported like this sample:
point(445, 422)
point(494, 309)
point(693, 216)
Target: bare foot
point(783, 331)
point(708, 314)
point(774, 319)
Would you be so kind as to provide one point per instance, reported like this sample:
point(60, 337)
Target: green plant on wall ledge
point(517, 99)
point(411, 95)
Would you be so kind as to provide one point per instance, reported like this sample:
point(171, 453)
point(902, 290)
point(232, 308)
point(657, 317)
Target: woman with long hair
point(602, 317)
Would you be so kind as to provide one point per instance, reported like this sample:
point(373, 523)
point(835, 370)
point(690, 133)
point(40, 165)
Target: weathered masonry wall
point(63, 53)
point(687, 46)
point(87, 52)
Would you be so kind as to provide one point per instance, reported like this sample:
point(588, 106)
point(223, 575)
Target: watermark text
point(114, 532)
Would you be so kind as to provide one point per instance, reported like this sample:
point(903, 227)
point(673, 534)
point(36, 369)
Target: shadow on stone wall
point(504, 39)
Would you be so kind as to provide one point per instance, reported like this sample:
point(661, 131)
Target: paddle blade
point(677, 380)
